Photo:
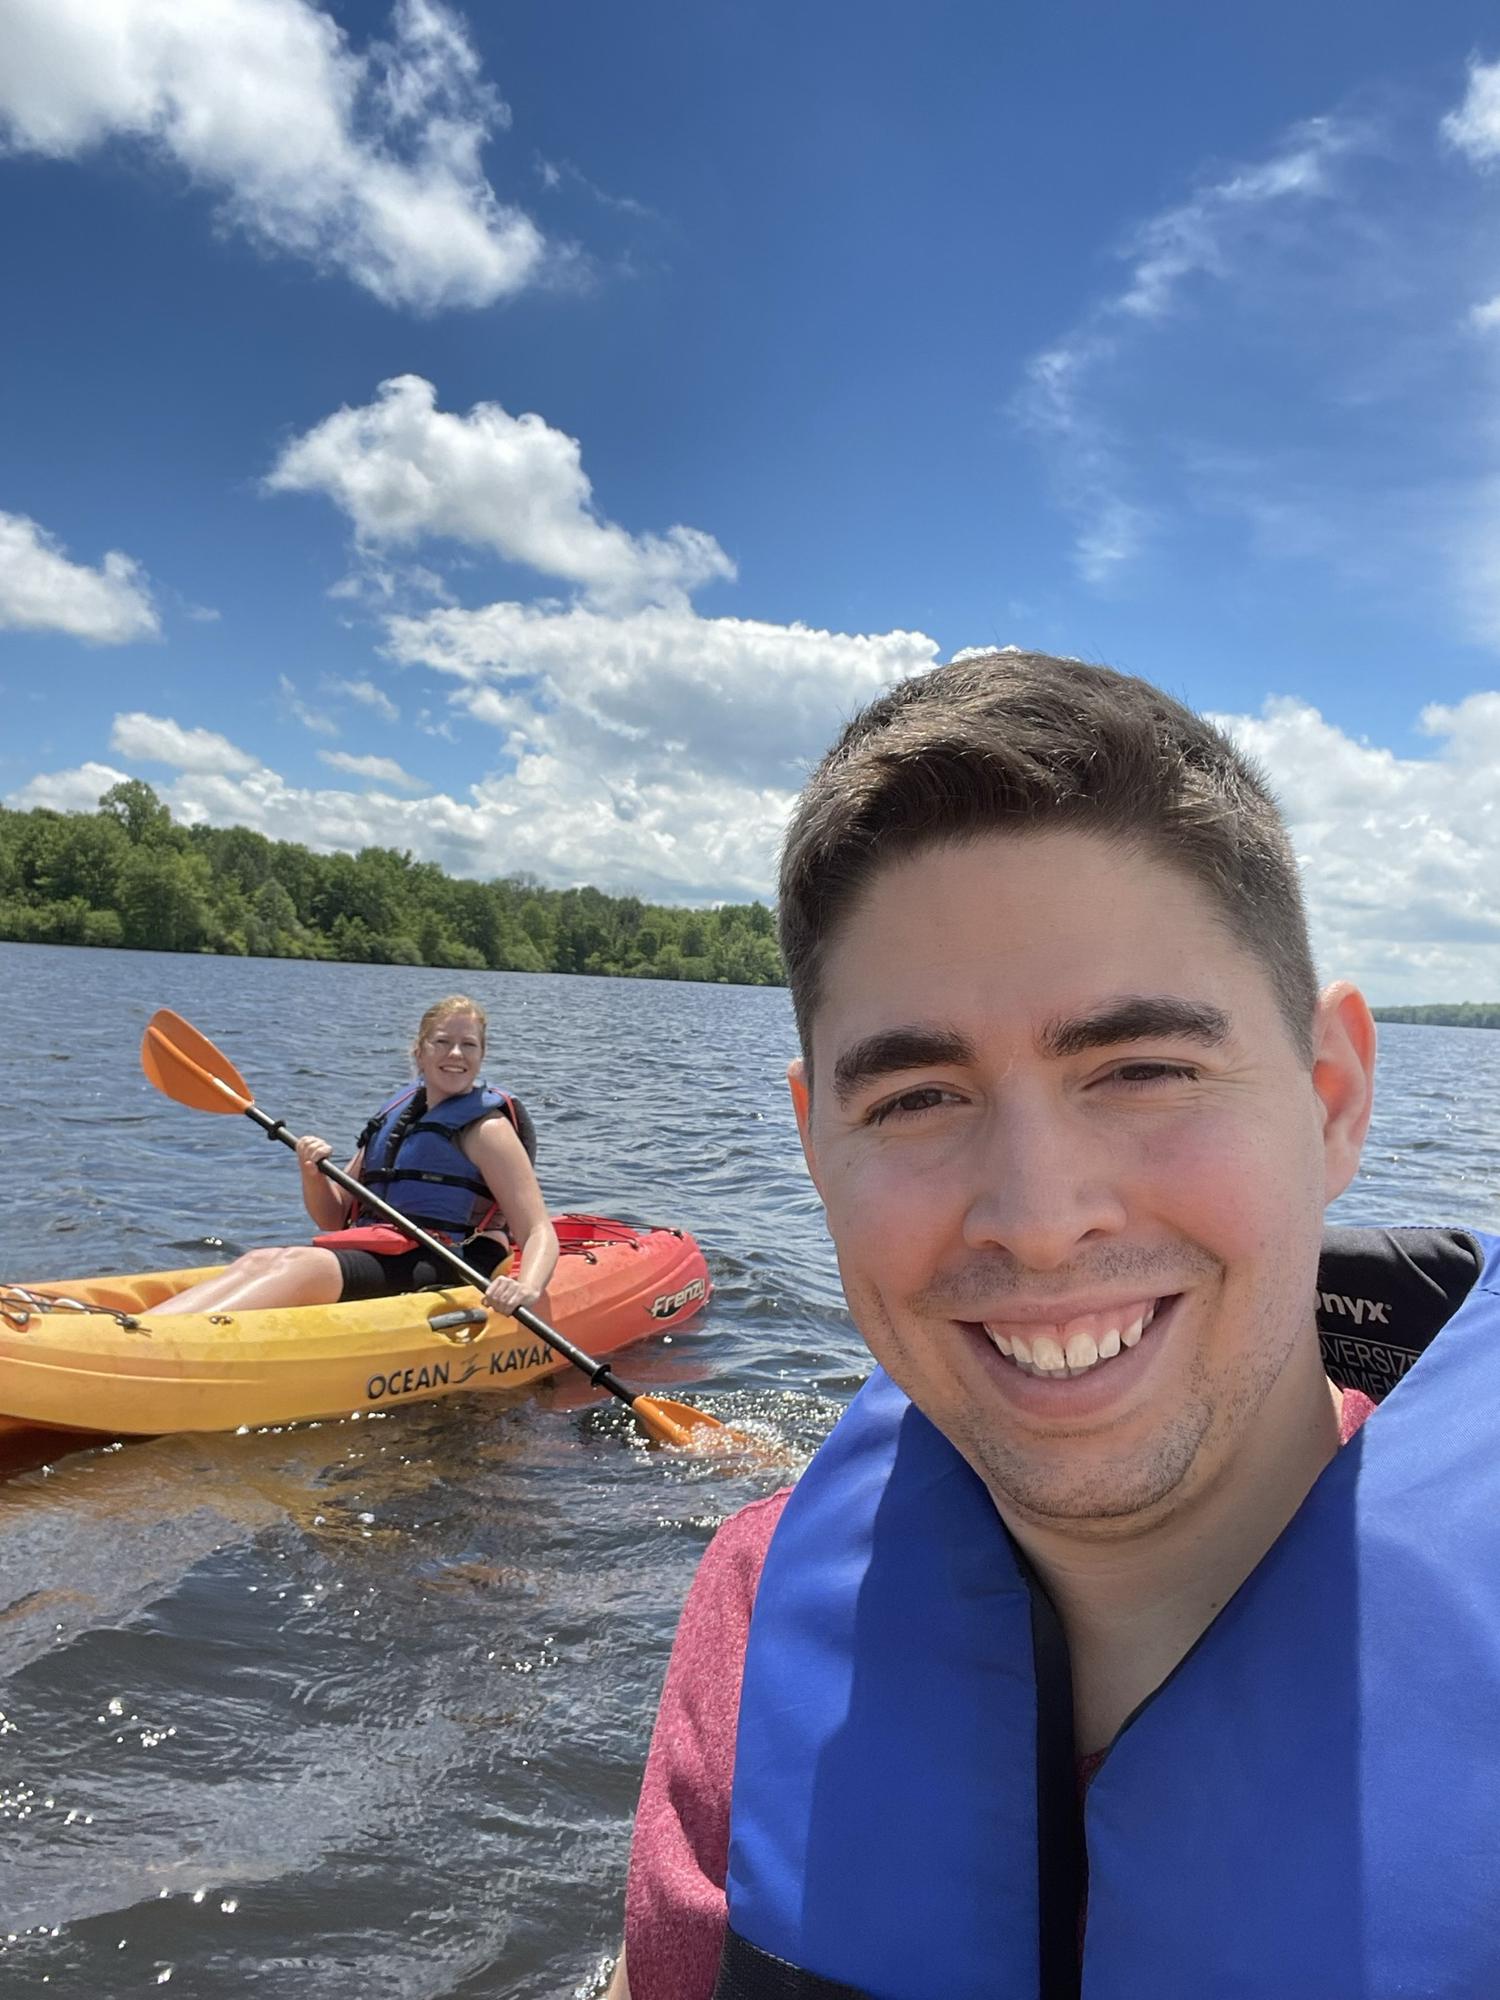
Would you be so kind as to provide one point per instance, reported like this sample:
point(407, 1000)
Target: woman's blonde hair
point(443, 1010)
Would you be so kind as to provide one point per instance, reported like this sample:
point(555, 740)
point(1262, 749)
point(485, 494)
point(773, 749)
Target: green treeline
point(1447, 1014)
point(129, 875)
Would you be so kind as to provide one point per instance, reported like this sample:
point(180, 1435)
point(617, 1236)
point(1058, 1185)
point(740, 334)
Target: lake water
point(359, 1708)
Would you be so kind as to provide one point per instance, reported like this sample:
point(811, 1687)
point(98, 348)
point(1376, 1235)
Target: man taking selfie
point(1108, 1646)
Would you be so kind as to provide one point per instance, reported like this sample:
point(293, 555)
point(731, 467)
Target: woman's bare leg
point(301, 1275)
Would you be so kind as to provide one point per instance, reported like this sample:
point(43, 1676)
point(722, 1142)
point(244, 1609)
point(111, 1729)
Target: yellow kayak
point(86, 1354)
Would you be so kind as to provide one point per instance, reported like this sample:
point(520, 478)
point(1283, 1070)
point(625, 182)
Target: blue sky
point(522, 434)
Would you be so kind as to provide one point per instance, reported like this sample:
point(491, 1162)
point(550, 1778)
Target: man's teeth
point(1076, 1346)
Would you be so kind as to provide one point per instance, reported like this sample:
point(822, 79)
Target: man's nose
point(1044, 1182)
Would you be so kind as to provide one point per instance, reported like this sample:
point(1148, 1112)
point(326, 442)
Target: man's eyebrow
point(895, 1049)
point(1138, 1017)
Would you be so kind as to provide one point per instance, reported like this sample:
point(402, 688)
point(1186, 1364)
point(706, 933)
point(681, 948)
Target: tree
point(581, 931)
point(276, 915)
point(438, 946)
point(519, 954)
point(536, 921)
point(84, 857)
point(12, 828)
point(300, 872)
point(163, 906)
point(238, 853)
point(137, 808)
point(127, 874)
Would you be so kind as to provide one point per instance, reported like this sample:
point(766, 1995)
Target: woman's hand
point(322, 1198)
point(505, 1293)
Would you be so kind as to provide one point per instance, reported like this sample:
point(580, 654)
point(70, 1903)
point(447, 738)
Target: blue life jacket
point(413, 1160)
point(1307, 1808)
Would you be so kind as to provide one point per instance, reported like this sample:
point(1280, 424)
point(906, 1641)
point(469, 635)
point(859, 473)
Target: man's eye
point(1142, 1075)
point(910, 1104)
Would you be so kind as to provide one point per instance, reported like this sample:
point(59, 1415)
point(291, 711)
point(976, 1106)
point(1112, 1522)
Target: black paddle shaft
point(599, 1372)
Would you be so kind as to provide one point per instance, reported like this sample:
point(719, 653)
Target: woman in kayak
point(449, 1152)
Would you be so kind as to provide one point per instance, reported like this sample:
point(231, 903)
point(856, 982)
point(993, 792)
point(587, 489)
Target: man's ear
point(1344, 1079)
point(801, 1088)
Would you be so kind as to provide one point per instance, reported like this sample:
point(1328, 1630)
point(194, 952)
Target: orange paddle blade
point(186, 1066)
point(668, 1422)
point(674, 1423)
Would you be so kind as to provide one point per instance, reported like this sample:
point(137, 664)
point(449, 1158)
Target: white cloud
point(369, 696)
point(161, 740)
point(403, 471)
point(1474, 128)
point(78, 790)
point(43, 590)
point(689, 838)
point(553, 173)
point(663, 690)
point(1399, 854)
point(658, 753)
point(1192, 237)
point(1115, 535)
point(314, 719)
point(1201, 237)
point(380, 770)
point(377, 585)
point(637, 743)
point(366, 163)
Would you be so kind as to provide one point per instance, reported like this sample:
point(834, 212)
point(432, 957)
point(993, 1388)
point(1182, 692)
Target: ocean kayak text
point(437, 1374)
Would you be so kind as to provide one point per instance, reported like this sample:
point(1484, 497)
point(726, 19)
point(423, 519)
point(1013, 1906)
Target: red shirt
point(675, 1912)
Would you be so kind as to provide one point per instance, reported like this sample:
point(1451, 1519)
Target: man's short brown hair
point(1025, 743)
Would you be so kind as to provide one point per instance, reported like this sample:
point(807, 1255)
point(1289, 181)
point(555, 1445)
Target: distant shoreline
point(1445, 1014)
point(129, 876)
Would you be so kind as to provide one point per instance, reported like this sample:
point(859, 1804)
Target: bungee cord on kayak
point(20, 1305)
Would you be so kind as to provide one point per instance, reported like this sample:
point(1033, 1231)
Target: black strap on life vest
point(1062, 1858)
point(414, 1107)
point(748, 1973)
point(376, 1175)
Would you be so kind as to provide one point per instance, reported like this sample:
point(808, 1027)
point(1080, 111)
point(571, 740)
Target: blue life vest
point(417, 1165)
point(1307, 1808)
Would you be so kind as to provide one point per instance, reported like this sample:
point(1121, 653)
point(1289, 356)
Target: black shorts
point(368, 1276)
